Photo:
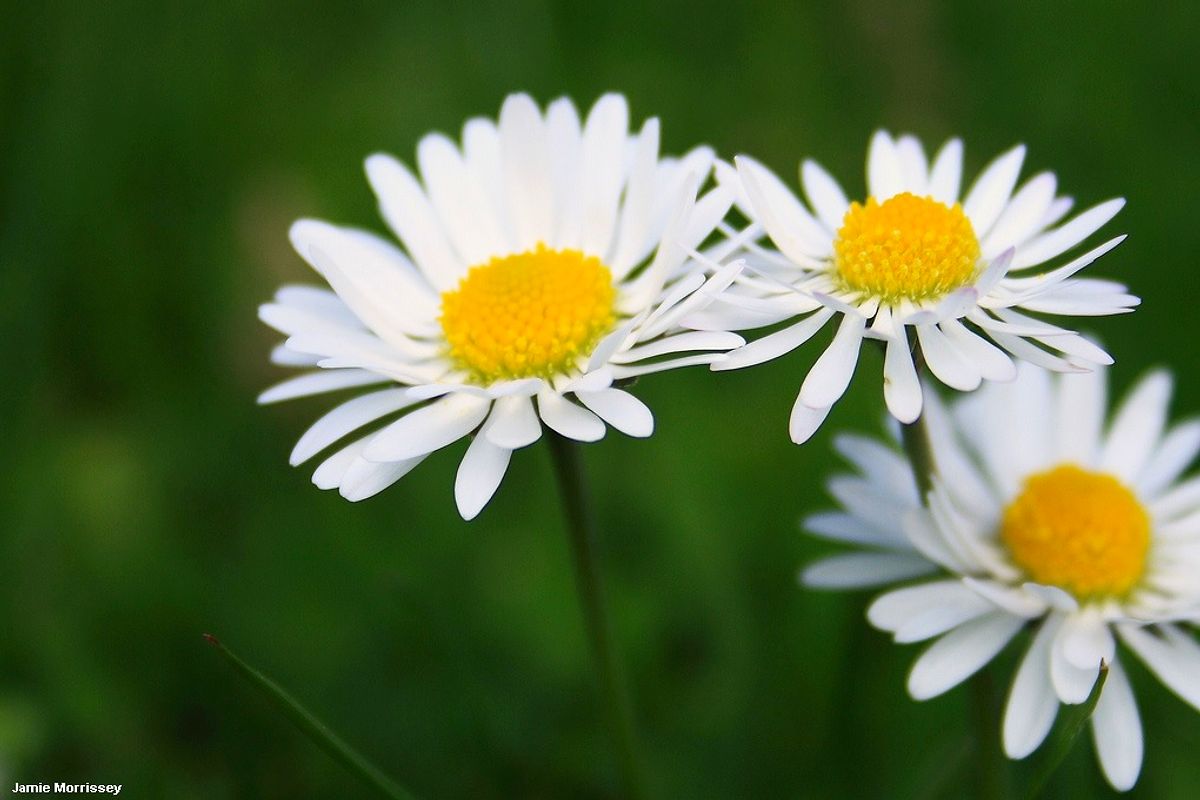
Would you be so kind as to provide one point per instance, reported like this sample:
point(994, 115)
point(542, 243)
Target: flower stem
point(990, 771)
point(313, 728)
point(990, 775)
point(581, 528)
point(1069, 728)
point(915, 437)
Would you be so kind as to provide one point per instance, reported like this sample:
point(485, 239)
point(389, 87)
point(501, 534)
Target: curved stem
point(915, 436)
point(990, 775)
point(581, 529)
point(990, 772)
point(313, 728)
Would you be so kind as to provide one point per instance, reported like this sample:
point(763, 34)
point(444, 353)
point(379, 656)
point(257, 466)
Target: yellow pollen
point(530, 314)
point(1081, 531)
point(906, 247)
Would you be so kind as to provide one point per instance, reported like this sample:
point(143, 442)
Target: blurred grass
point(151, 159)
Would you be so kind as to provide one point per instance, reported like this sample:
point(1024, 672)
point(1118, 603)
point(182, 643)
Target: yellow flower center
point(906, 247)
point(530, 314)
point(1081, 531)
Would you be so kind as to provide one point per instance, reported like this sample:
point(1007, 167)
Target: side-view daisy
point(1040, 517)
point(544, 260)
point(960, 271)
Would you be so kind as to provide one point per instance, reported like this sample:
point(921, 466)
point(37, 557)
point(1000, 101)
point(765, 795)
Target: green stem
point(581, 528)
point(1069, 728)
point(991, 772)
point(313, 728)
point(915, 437)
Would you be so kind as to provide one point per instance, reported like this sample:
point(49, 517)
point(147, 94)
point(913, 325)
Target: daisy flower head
point(542, 261)
point(1043, 517)
point(916, 258)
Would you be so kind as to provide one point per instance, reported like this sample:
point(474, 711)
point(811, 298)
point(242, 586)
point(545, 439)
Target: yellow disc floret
point(906, 247)
point(530, 314)
point(1081, 531)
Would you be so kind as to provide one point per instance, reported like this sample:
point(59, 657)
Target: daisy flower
point(960, 271)
point(542, 262)
point(1040, 517)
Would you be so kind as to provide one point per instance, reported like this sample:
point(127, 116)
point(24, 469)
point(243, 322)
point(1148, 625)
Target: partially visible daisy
point(1041, 517)
point(915, 254)
point(544, 260)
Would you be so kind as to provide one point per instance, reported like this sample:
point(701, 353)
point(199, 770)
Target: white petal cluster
point(984, 446)
point(965, 337)
point(531, 178)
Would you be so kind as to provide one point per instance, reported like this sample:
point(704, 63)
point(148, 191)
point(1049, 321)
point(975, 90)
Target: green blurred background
point(152, 157)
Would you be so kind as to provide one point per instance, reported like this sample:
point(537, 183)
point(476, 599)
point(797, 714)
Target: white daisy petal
point(284, 356)
point(792, 229)
point(863, 570)
point(1058, 209)
point(1174, 454)
point(364, 479)
point(1180, 500)
point(1052, 243)
point(885, 175)
point(1085, 640)
point(569, 419)
point(604, 136)
point(460, 201)
point(1071, 683)
point(901, 387)
point(1016, 600)
point(636, 219)
point(680, 343)
point(945, 176)
point(528, 183)
point(913, 164)
point(564, 140)
point(1031, 353)
point(429, 428)
point(319, 302)
point(325, 380)
point(622, 371)
point(1079, 417)
point(841, 527)
point(892, 611)
point(1138, 426)
point(1023, 215)
point(804, 421)
point(513, 423)
point(1173, 657)
point(879, 464)
point(946, 362)
point(774, 345)
point(992, 362)
point(1117, 731)
point(407, 210)
point(1080, 350)
point(941, 618)
point(329, 473)
point(482, 152)
point(1032, 705)
point(347, 418)
point(960, 654)
point(373, 278)
point(991, 191)
point(1052, 596)
point(830, 375)
point(621, 410)
point(479, 475)
point(824, 194)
